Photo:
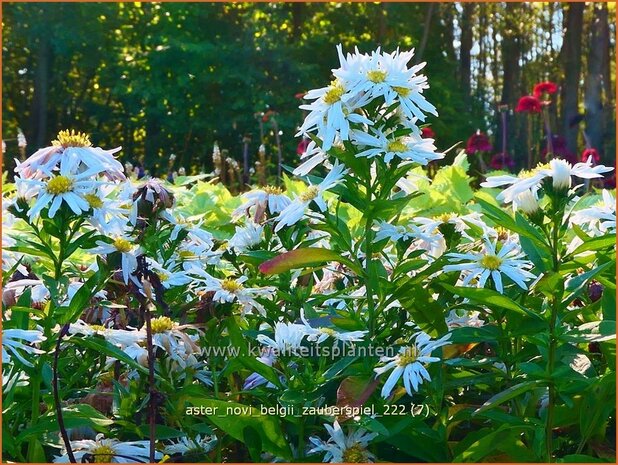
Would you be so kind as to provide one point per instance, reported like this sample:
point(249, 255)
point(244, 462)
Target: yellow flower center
point(231, 285)
point(402, 91)
point(397, 146)
point(93, 200)
point(329, 331)
point(334, 93)
point(273, 190)
point(59, 185)
point(491, 262)
point(103, 454)
point(446, 217)
point(161, 324)
point(408, 356)
point(310, 193)
point(376, 76)
point(98, 327)
point(163, 276)
point(72, 139)
point(355, 454)
point(122, 245)
point(186, 254)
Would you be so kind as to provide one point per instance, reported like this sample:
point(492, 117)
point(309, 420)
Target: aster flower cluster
point(169, 322)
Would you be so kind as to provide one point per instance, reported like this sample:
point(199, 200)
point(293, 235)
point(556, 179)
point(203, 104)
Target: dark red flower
point(528, 104)
point(560, 150)
point(546, 87)
point(266, 116)
point(502, 161)
point(610, 183)
point(428, 133)
point(302, 146)
point(478, 142)
point(596, 158)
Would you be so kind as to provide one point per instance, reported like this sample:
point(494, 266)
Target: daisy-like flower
point(122, 244)
point(13, 341)
point(288, 339)
point(110, 450)
point(385, 75)
point(600, 218)
point(507, 260)
point(246, 237)
point(233, 290)
point(342, 448)
point(527, 201)
point(67, 186)
point(118, 337)
point(322, 333)
point(108, 214)
point(313, 156)
point(410, 363)
point(463, 318)
point(330, 115)
point(167, 275)
point(268, 197)
point(39, 294)
point(191, 446)
point(314, 193)
point(255, 379)
point(76, 148)
point(560, 172)
point(409, 148)
point(172, 338)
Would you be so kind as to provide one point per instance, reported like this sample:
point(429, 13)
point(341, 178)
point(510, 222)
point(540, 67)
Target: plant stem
point(151, 381)
point(60, 417)
point(368, 259)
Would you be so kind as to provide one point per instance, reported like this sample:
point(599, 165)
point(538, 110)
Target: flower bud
point(561, 174)
point(527, 202)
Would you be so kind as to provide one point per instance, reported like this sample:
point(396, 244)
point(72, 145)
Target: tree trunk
point(571, 58)
point(511, 85)
point(595, 77)
point(464, 51)
point(421, 48)
point(41, 91)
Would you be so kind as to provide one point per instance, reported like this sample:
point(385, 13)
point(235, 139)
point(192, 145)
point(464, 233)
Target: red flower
point(529, 104)
point(596, 158)
point(302, 146)
point(478, 142)
point(502, 161)
point(266, 116)
point(300, 95)
point(546, 87)
point(428, 133)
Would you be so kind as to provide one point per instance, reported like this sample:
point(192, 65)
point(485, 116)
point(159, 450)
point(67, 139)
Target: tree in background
point(173, 78)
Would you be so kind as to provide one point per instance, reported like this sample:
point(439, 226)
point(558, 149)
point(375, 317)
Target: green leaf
point(508, 394)
point(74, 416)
point(302, 258)
point(578, 284)
point(234, 419)
point(596, 243)
point(490, 298)
point(83, 295)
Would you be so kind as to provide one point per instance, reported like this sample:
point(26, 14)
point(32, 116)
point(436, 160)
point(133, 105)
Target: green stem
point(35, 384)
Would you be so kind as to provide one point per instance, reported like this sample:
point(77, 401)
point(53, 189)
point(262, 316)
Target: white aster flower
point(172, 338)
point(13, 340)
point(118, 337)
point(560, 172)
point(65, 187)
point(122, 244)
point(233, 290)
point(169, 275)
point(189, 446)
point(342, 448)
point(329, 115)
point(409, 148)
point(110, 451)
point(599, 218)
point(246, 237)
point(312, 156)
point(410, 363)
point(322, 333)
point(464, 318)
point(268, 197)
point(314, 193)
point(76, 149)
point(492, 262)
point(288, 338)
